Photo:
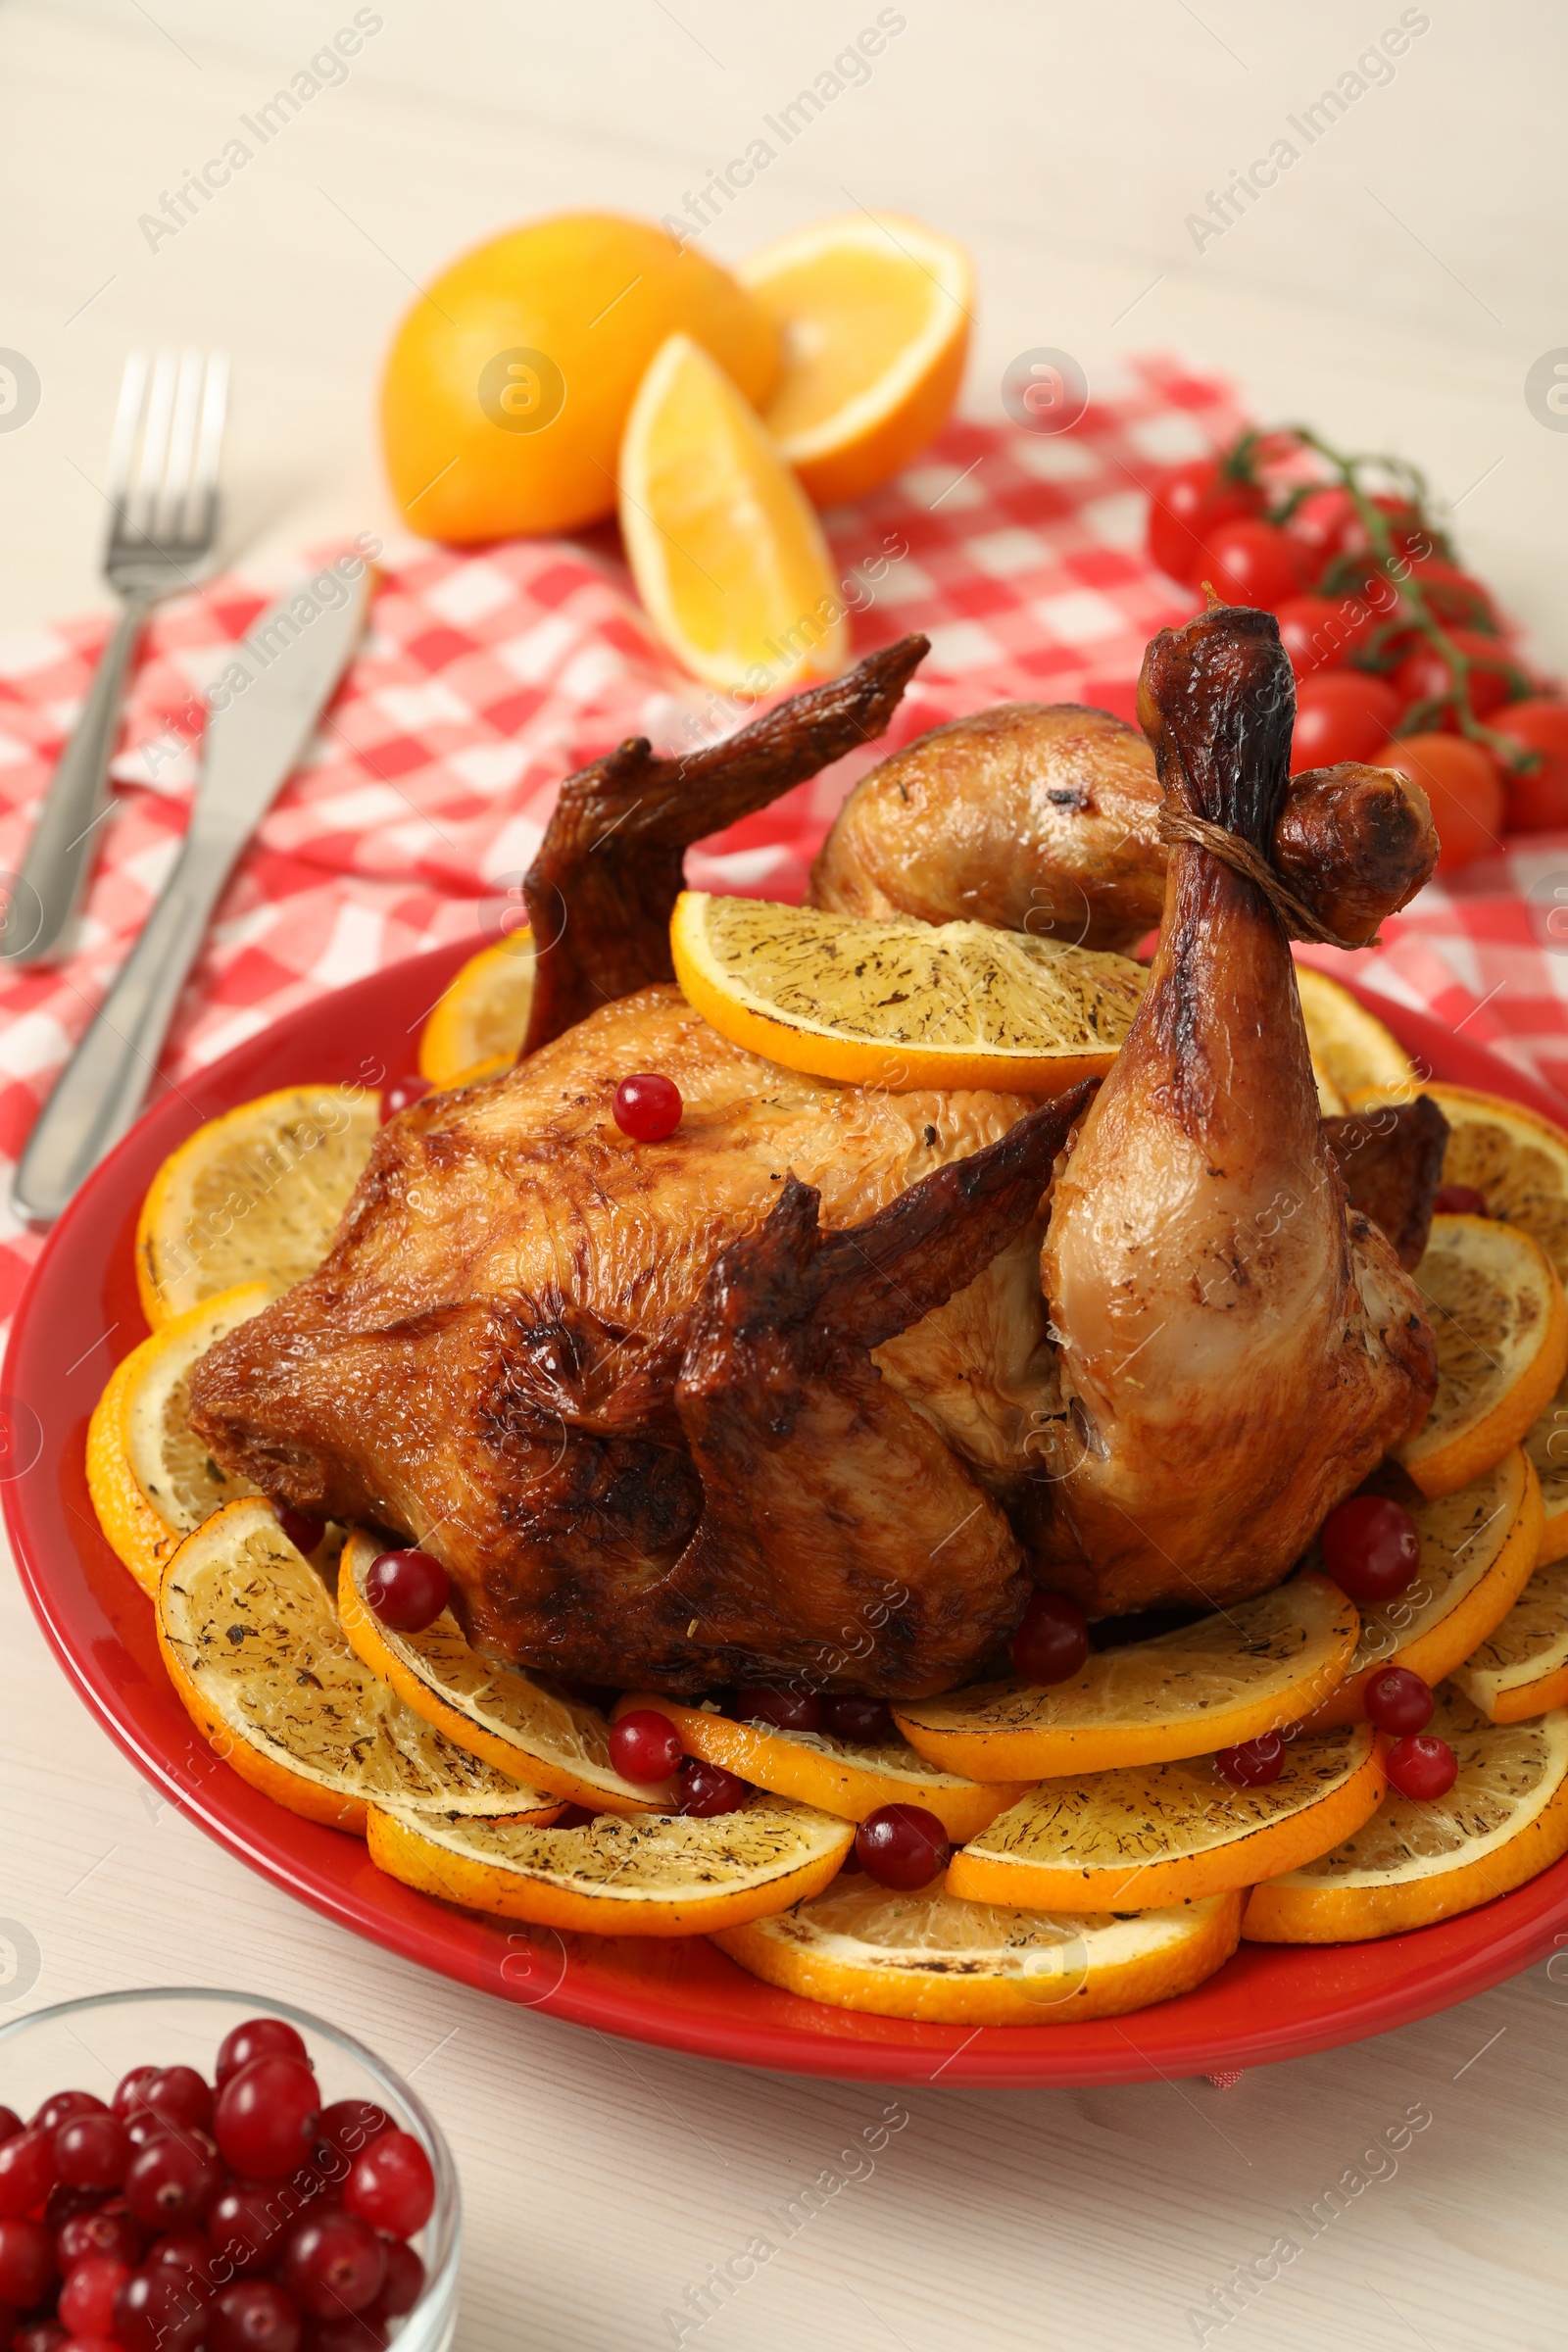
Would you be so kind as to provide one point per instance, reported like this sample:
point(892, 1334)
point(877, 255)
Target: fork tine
point(182, 448)
point(208, 446)
point(127, 415)
point(141, 509)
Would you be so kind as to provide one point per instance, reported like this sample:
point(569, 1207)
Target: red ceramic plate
point(80, 1314)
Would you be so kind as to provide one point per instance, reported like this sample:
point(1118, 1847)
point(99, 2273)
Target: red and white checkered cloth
point(485, 678)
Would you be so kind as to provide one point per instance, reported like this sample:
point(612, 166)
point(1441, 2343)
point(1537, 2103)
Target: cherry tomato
point(1406, 530)
point(1538, 803)
point(1453, 595)
point(1342, 714)
point(1320, 523)
point(1252, 562)
point(1319, 632)
point(1464, 788)
point(1424, 676)
point(1185, 503)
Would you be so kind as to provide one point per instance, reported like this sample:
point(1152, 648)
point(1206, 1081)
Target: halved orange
point(728, 557)
point(1154, 1834)
point(833, 1774)
point(252, 1646)
point(1501, 1323)
point(901, 1003)
point(254, 1196)
point(662, 1873)
point(1505, 1821)
point(1255, 1667)
point(1478, 1551)
point(478, 1024)
point(151, 1481)
point(933, 1956)
point(1521, 1668)
point(873, 312)
point(520, 1723)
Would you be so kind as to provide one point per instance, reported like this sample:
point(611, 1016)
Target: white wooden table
point(1393, 291)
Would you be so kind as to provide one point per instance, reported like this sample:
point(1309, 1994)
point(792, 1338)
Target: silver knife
point(274, 690)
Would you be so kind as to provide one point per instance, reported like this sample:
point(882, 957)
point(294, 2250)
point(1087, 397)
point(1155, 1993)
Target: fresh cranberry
point(1460, 1201)
point(648, 1107)
point(142, 2125)
point(1422, 1768)
point(254, 2314)
point(63, 2204)
point(63, 2106)
point(11, 2123)
point(356, 2332)
point(305, 1534)
point(708, 1789)
point(347, 2128)
point(111, 2229)
point(645, 1745)
point(181, 2095)
point(1398, 1702)
point(26, 2169)
point(901, 1845)
point(403, 2284)
point(246, 2222)
point(786, 1710)
point(266, 2118)
point(1371, 1548)
point(863, 1722)
point(160, 2309)
point(258, 2037)
point(187, 2250)
point(401, 1094)
point(92, 2151)
point(392, 2187)
point(88, 2298)
point(1052, 1639)
point(132, 2091)
point(44, 2336)
point(407, 1590)
point(26, 2261)
point(1254, 1763)
point(333, 2264)
point(173, 2180)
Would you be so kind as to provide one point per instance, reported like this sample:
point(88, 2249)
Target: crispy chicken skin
point(1047, 819)
point(1238, 1346)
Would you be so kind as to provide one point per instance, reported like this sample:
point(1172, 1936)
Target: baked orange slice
point(1515, 1160)
point(873, 313)
point(478, 1023)
point(1350, 1046)
point(945, 1961)
point(1501, 1323)
point(1156, 1834)
point(1252, 1668)
point(521, 1723)
point(1546, 1444)
point(661, 1874)
point(727, 554)
point(835, 1774)
point(903, 1003)
point(151, 1481)
point(252, 1644)
point(1503, 1821)
point(253, 1197)
point(1478, 1553)
point(1521, 1668)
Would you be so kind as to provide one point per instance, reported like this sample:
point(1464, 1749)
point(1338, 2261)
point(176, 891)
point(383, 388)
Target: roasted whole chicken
point(815, 1388)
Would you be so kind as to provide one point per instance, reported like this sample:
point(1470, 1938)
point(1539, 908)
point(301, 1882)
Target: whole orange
point(509, 382)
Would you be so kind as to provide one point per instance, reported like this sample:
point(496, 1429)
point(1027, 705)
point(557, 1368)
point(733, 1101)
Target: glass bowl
point(88, 2044)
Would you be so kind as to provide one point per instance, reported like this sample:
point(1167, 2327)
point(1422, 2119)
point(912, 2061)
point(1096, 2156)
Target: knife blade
point(263, 709)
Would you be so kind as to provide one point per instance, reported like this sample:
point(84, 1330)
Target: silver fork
point(162, 490)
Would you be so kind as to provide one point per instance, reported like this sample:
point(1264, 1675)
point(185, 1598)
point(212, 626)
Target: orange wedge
point(901, 1003)
point(1258, 1666)
point(150, 1481)
point(873, 312)
point(729, 560)
point(936, 1957)
point(1501, 1323)
point(1155, 1834)
point(518, 1722)
point(1505, 1820)
point(1515, 1160)
point(833, 1774)
point(1521, 1669)
point(478, 1024)
point(665, 1874)
point(252, 1646)
point(1478, 1551)
point(254, 1195)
